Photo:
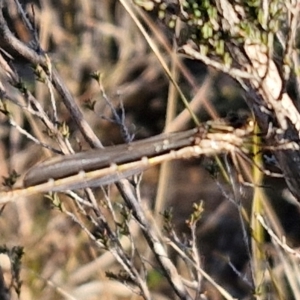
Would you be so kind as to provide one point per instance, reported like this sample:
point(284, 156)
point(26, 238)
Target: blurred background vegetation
point(83, 37)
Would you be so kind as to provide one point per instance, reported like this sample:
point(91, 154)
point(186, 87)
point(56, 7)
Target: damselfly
point(105, 166)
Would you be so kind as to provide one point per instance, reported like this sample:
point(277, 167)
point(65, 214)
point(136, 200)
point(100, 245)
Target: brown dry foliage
point(61, 261)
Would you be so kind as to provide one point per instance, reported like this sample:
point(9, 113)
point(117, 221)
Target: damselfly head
point(239, 120)
point(243, 123)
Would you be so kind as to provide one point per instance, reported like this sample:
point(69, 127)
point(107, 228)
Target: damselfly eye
point(238, 120)
point(233, 122)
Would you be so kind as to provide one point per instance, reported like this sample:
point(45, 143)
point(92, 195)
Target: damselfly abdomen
point(104, 166)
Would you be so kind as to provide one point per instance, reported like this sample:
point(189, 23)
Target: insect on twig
point(105, 166)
